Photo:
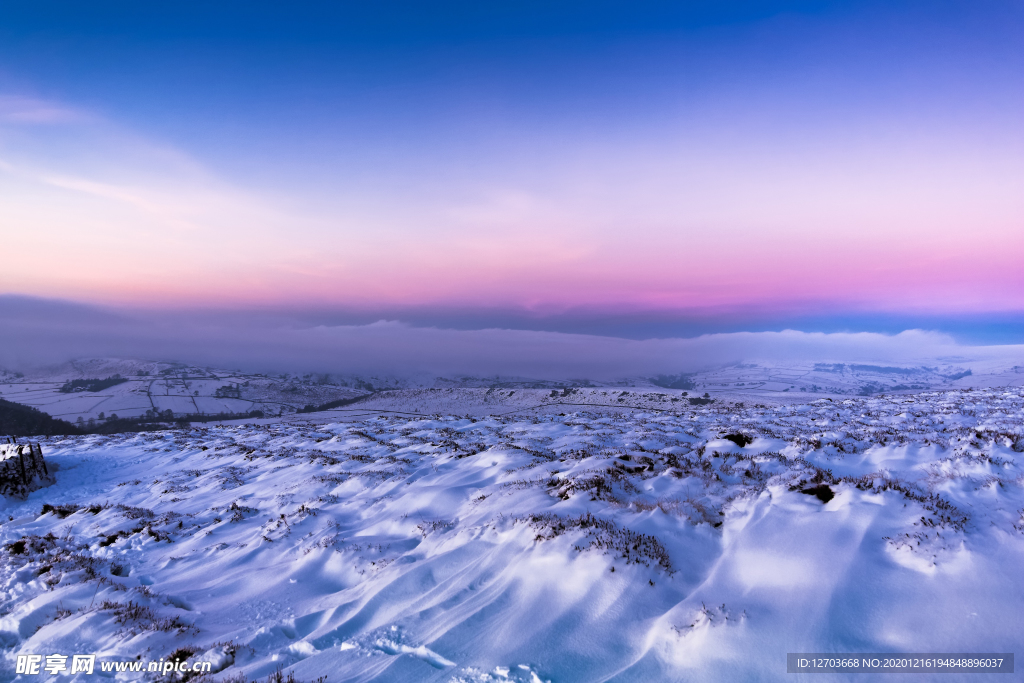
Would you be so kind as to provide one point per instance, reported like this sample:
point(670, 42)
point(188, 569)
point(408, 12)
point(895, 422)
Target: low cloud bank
point(36, 332)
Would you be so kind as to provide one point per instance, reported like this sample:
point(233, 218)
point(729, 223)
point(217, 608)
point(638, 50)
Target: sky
point(632, 170)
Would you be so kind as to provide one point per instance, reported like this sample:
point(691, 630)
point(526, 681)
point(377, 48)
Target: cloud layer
point(39, 332)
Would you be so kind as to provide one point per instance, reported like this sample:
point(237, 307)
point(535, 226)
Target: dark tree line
point(73, 385)
point(19, 420)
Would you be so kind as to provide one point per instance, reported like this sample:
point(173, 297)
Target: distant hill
point(19, 420)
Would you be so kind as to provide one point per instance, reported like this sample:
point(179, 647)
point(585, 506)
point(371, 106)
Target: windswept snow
point(693, 543)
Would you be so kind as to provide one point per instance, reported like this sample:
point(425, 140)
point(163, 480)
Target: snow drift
point(701, 543)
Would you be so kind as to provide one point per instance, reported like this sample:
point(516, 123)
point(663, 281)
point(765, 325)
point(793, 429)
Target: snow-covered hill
point(701, 543)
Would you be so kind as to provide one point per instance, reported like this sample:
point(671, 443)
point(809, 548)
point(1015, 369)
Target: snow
point(182, 389)
point(188, 390)
point(556, 544)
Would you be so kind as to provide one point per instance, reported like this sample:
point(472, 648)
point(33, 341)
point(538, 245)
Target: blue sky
point(622, 168)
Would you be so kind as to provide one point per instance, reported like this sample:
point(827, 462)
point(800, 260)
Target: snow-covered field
point(593, 545)
point(162, 386)
point(189, 390)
